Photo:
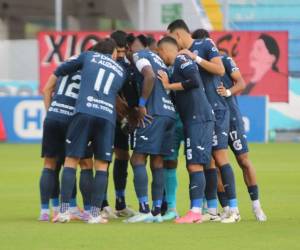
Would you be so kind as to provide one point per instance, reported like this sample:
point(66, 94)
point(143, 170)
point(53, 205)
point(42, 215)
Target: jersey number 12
point(74, 85)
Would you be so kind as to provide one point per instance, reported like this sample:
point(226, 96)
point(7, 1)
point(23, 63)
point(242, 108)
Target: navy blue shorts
point(86, 130)
point(198, 142)
point(237, 137)
point(221, 130)
point(156, 138)
point(54, 137)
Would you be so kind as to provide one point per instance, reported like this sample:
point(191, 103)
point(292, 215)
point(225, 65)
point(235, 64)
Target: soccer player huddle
point(127, 92)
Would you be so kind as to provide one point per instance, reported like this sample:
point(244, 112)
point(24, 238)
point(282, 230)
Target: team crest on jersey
point(182, 57)
point(184, 65)
point(211, 40)
point(232, 64)
point(214, 49)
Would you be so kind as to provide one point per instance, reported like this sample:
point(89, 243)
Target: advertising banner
point(21, 118)
point(262, 57)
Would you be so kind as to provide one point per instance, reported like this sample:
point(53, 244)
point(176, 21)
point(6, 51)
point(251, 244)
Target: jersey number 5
point(108, 82)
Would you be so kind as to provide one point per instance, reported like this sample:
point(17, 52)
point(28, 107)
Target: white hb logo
point(28, 119)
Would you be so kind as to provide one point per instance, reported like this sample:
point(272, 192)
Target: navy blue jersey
point(159, 102)
point(231, 67)
point(129, 90)
point(192, 104)
point(101, 80)
point(206, 49)
point(62, 106)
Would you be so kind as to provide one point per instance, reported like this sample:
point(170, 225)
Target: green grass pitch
point(278, 171)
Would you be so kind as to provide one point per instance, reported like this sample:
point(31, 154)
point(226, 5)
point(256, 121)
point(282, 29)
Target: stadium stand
point(213, 11)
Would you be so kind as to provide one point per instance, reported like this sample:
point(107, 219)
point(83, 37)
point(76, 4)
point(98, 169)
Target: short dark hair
point(200, 34)
point(272, 47)
point(178, 24)
point(150, 40)
point(119, 36)
point(167, 39)
point(106, 46)
point(131, 38)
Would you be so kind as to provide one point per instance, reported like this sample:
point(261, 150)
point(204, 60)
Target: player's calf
point(250, 180)
point(211, 195)
point(196, 190)
point(98, 191)
point(47, 181)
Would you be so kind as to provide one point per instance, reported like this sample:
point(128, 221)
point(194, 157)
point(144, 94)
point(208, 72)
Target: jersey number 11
point(99, 81)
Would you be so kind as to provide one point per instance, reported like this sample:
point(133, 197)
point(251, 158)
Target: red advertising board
point(55, 47)
point(261, 56)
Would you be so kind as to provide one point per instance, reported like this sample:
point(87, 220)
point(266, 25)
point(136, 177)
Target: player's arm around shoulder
point(212, 61)
point(235, 75)
point(71, 65)
point(238, 81)
point(187, 69)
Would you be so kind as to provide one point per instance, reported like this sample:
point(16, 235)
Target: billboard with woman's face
point(262, 58)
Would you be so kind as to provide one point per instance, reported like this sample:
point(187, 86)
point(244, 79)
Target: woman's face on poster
point(260, 57)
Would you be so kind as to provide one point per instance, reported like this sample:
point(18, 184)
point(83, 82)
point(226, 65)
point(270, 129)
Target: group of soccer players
point(126, 91)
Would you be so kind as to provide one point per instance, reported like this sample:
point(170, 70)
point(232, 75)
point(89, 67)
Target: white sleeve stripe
point(141, 63)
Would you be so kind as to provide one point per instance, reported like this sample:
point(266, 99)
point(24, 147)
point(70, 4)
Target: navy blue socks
point(120, 179)
point(141, 187)
point(229, 184)
point(157, 188)
point(67, 185)
point(197, 186)
point(98, 191)
point(46, 186)
point(86, 186)
point(223, 199)
point(211, 177)
point(253, 192)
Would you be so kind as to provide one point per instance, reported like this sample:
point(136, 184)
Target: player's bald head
point(167, 41)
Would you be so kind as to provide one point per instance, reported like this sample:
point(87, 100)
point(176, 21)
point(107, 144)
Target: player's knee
point(137, 159)
point(244, 161)
point(101, 165)
point(71, 162)
point(86, 163)
point(212, 164)
point(170, 164)
point(194, 168)
point(50, 163)
point(121, 154)
point(156, 161)
point(221, 157)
